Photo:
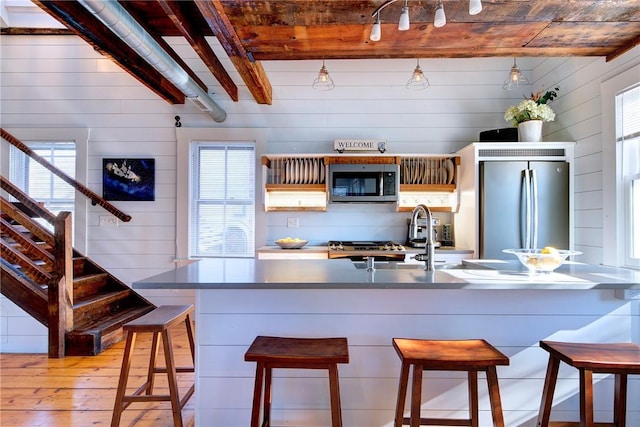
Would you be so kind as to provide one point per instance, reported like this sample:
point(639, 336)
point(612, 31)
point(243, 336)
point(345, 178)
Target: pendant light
point(418, 80)
point(439, 20)
point(324, 80)
point(403, 23)
point(515, 78)
point(475, 7)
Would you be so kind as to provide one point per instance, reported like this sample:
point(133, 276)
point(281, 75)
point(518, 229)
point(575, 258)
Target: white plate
point(450, 171)
point(316, 176)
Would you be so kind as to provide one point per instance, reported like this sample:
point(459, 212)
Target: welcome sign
point(342, 145)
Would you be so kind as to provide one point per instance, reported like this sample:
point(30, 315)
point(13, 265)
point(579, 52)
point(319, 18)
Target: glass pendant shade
point(515, 78)
point(324, 80)
point(376, 31)
point(475, 7)
point(418, 80)
point(404, 24)
point(440, 19)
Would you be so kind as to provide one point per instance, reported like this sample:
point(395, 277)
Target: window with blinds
point(628, 112)
point(222, 201)
point(39, 182)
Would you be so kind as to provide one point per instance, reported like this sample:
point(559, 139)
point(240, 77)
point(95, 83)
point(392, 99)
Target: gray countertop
point(250, 273)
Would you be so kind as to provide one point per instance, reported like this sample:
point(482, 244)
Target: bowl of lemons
point(542, 261)
point(289, 243)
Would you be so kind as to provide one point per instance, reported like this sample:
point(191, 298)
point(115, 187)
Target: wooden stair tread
point(117, 320)
point(101, 297)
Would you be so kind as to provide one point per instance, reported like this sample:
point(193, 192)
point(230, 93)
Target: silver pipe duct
point(124, 26)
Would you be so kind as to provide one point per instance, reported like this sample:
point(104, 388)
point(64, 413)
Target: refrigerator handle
point(534, 208)
point(527, 207)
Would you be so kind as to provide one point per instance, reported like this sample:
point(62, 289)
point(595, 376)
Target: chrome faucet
point(429, 248)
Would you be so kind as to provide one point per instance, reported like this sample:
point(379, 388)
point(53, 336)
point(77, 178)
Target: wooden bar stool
point(295, 353)
point(449, 355)
point(158, 322)
point(619, 359)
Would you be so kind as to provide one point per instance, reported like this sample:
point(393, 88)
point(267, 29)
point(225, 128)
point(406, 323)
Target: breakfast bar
point(239, 299)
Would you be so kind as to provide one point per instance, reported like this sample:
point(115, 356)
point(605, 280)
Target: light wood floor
point(80, 391)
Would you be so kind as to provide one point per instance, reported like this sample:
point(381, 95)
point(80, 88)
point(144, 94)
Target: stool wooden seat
point(295, 353)
point(448, 355)
point(619, 359)
point(159, 322)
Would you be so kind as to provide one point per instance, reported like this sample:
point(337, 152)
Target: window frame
point(199, 202)
point(80, 136)
point(630, 182)
point(184, 137)
point(615, 239)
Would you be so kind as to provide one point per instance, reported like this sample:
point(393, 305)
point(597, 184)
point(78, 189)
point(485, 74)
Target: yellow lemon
point(549, 250)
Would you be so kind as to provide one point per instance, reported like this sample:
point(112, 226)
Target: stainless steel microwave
point(371, 183)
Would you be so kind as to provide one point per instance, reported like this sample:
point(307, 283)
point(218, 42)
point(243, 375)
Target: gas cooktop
point(385, 249)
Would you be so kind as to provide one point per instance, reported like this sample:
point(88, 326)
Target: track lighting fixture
point(475, 7)
point(439, 19)
point(324, 80)
point(404, 24)
point(376, 31)
point(418, 80)
point(515, 78)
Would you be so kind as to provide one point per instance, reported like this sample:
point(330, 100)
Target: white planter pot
point(530, 131)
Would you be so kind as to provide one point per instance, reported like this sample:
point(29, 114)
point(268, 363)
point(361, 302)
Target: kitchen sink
point(395, 265)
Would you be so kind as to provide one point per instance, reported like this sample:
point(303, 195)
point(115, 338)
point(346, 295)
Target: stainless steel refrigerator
point(523, 204)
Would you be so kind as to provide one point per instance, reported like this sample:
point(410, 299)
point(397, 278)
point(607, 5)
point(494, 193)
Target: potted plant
point(529, 115)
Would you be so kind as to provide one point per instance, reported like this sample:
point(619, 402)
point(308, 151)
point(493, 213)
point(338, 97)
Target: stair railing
point(95, 198)
point(54, 266)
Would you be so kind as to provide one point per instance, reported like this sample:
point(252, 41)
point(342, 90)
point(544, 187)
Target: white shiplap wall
point(60, 81)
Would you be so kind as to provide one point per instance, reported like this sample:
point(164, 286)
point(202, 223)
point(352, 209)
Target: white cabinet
point(308, 252)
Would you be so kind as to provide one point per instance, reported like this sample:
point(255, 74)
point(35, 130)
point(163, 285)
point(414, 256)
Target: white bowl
point(291, 244)
point(538, 262)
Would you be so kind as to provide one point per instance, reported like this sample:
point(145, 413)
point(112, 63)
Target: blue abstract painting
point(128, 179)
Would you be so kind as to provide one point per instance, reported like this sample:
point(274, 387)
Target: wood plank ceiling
point(255, 31)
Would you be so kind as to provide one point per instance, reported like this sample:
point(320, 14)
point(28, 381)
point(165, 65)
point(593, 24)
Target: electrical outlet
point(108, 221)
point(293, 222)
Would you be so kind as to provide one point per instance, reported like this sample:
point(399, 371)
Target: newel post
point(61, 287)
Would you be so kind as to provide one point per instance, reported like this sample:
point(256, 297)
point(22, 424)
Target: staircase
point(83, 306)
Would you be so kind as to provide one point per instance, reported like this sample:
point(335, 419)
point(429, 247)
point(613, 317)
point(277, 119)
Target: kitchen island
point(238, 299)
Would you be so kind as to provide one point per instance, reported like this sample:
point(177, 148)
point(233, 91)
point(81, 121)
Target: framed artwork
point(128, 179)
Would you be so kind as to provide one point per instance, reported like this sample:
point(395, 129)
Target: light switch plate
point(293, 222)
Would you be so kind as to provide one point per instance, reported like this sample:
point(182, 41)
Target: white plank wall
point(514, 321)
point(61, 82)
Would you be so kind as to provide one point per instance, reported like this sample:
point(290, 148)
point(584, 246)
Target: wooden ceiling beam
point(196, 39)
point(621, 50)
point(93, 31)
point(251, 72)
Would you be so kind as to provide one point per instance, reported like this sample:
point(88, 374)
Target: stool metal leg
point(494, 397)
point(334, 390)
point(620, 400)
point(547, 391)
point(402, 394)
point(473, 397)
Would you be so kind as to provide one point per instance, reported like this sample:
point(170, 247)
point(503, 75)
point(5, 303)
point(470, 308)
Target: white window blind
point(222, 211)
point(40, 183)
point(628, 110)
